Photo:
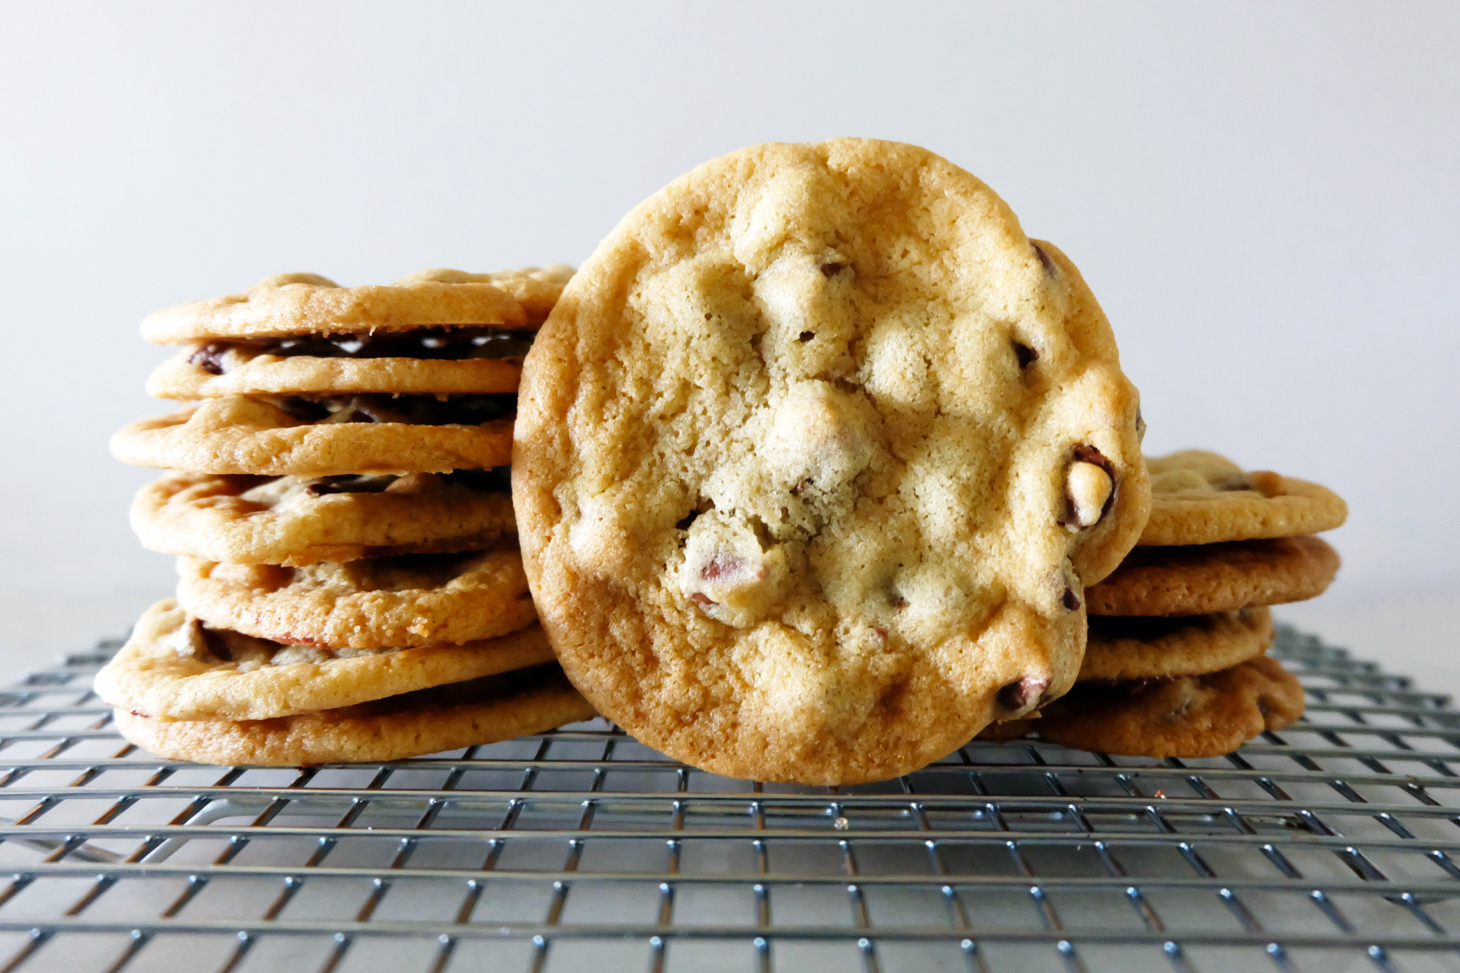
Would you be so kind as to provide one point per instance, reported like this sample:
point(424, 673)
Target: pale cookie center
point(728, 572)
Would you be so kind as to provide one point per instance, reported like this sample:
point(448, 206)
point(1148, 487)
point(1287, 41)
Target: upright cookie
point(175, 668)
point(414, 599)
point(1198, 497)
point(296, 521)
point(1191, 716)
point(814, 458)
point(1206, 578)
point(427, 721)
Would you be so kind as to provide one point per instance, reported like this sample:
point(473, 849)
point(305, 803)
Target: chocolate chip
point(717, 569)
point(441, 343)
point(1069, 599)
point(1140, 425)
point(209, 358)
point(1025, 354)
point(831, 270)
point(1024, 692)
point(702, 598)
point(687, 519)
point(800, 488)
point(806, 336)
point(1089, 454)
point(303, 409)
point(498, 479)
point(348, 483)
point(421, 410)
point(897, 601)
point(1044, 258)
point(217, 646)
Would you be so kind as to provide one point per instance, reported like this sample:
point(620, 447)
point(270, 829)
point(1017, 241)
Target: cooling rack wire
point(1329, 846)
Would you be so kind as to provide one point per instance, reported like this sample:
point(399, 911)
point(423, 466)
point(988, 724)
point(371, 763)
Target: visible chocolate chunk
point(1044, 258)
point(897, 601)
point(441, 343)
point(1025, 692)
point(1089, 454)
point(1025, 354)
point(421, 410)
point(217, 645)
point(209, 358)
point(303, 409)
point(348, 483)
point(718, 569)
point(806, 336)
point(702, 598)
point(498, 479)
point(1069, 599)
point(831, 269)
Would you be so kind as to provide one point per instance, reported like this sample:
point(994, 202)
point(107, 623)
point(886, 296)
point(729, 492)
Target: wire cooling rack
point(1329, 846)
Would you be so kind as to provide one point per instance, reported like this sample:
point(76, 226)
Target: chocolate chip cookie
point(308, 304)
point(814, 459)
point(426, 721)
point(323, 436)
point(1123, 649)
point(297, 521)
point(1189, 716)
point(1198, 497)
point(409, 600)
point(1204, 578)
point(173, 667)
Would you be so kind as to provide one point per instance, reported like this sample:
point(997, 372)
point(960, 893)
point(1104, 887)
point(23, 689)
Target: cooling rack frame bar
point(1335, 840)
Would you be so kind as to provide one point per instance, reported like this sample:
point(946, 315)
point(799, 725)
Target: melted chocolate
point(419, 410)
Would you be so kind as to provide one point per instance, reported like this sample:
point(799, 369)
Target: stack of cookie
point(351, 587)
point(1175, 664)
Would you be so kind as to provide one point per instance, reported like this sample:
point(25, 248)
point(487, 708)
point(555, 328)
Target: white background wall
point(1264, 196)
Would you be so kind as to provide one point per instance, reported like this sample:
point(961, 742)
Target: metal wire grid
point(1329, 846)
